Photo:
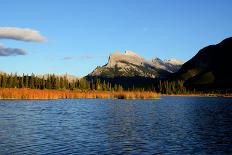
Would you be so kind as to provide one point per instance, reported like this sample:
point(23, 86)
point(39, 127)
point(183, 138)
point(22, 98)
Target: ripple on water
point(171, 125)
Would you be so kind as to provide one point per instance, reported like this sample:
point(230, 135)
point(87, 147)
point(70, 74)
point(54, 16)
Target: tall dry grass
point(24, 93)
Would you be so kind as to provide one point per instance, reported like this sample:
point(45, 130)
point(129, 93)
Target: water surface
point(171, 125)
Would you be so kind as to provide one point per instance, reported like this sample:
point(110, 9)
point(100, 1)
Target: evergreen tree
point(21, 85)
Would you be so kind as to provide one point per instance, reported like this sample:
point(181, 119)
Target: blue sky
point(80, 34)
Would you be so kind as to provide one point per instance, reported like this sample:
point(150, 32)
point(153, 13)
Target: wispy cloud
point(83, 57)
point(67, 58)
point(22, 34)
point(6, 51)
point(87, 57)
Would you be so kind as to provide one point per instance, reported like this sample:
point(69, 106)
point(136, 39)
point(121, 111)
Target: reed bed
point(24, 93)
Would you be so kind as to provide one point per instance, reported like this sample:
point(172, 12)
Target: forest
point(51, 81)
point(51, 86)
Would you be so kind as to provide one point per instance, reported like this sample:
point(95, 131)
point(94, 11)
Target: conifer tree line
point(52, 81)
point(172, 87)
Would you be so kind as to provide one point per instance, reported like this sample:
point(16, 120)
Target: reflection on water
point(171, 125)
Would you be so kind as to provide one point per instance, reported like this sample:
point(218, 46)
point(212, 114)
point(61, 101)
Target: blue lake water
point(171, 125)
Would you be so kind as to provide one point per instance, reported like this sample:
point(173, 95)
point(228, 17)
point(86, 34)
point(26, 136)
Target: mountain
point(130, 64)
point(210, 68)
point(170, 65)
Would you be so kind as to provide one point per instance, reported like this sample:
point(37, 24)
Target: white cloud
point(6, 51)
point(23, 34)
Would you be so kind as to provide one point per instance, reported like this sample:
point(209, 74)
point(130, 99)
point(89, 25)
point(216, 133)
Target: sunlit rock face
point(131, 64)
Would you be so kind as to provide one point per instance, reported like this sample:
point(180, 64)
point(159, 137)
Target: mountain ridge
point(210, 68)
point(130, 64)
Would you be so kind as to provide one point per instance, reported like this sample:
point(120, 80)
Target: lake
point(170, 125)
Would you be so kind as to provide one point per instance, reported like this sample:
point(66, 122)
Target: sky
point(76, 36)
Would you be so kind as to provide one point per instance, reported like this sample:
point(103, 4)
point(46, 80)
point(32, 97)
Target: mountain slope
point(129, 64)
point(210, 68)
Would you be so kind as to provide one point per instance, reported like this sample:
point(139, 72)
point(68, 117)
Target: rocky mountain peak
point(174, 61)
point(131, 64)
point(131, 53)
point(119, 59)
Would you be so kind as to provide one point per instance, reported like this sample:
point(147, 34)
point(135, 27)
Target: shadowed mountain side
point(209, 69)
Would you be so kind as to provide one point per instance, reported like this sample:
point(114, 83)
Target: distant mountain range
point(210, 68)
point(130, 64)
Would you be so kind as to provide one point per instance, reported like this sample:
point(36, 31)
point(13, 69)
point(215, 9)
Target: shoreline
point(198, 95)
point(37, 94)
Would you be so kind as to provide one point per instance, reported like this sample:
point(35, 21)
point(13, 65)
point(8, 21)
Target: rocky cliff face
point(131, 64)
point(171, 65)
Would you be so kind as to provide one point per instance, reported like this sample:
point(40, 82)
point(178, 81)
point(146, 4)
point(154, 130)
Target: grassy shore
point(200, 95)
point(36, 94)
point(23, 93)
